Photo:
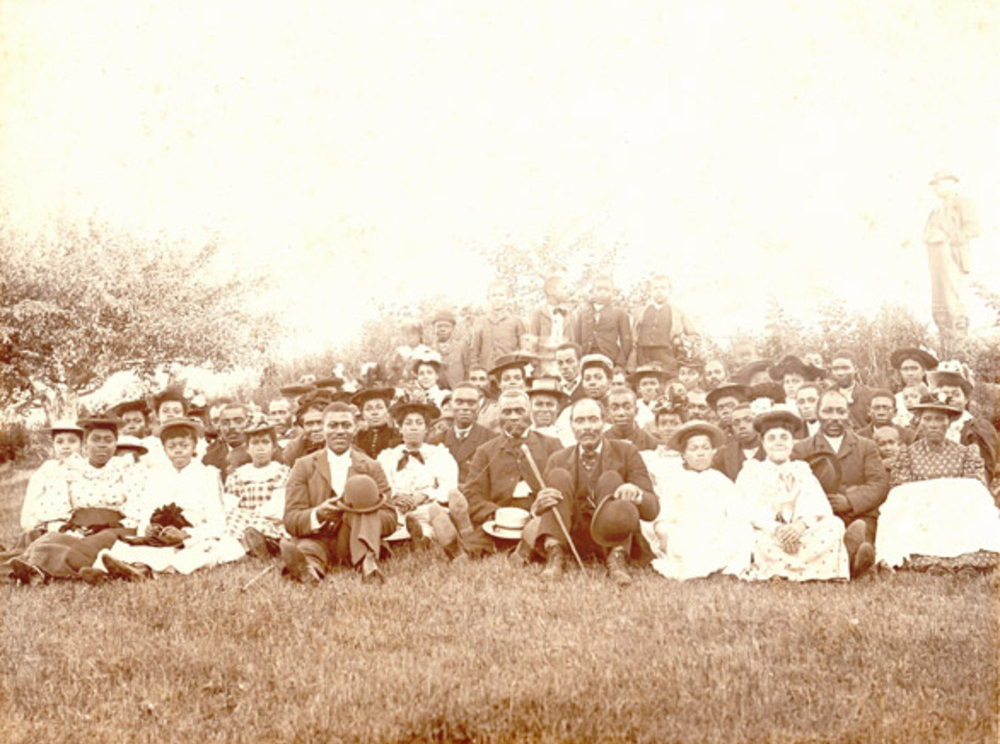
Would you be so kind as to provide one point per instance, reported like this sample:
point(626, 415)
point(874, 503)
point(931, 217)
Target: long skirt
point(182, 560)
point(821, 554)
point(943, 517)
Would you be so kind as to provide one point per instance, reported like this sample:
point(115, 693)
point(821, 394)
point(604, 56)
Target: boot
point(127, 571)
point(256, 544)
point(555, 562)
point(297, 568)
point(370, 571)
point(864, 559)
point(616, 566)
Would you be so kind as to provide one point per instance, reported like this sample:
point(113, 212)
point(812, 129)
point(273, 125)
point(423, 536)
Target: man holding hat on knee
point(336, 506)
point(597, 491)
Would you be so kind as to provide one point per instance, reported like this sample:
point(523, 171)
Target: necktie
point(407, 454)
point(588, 458)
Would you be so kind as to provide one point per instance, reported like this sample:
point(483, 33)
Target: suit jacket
point(863, 478)
point(309, 486)
point(729, 458)
point(641, 438)
point(610, 335)
point(463, 450)
point(858, 408)
point(497, 467)
point(981, 433)
point(454, 361)
point(493, 336)
point(617, 455)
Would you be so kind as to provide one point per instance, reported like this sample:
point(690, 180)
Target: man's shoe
point(26, 573)
point(127, 571)
point(864, 559)
point(297, 568)
point(370, 572)
point(420, 540)
point(93, 576)
point(616, 566)
point(256, 544)
point(555, 563)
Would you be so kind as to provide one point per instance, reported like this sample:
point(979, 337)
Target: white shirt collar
point(834, 442)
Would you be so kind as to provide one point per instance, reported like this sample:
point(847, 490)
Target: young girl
point(46, 501)
point(255, 494)
point(427, 373)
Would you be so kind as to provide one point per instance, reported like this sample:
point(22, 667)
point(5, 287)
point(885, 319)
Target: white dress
point(46, 502)
point(707, 531)
point(197, 490)
point(436, 477)
point(775, 495)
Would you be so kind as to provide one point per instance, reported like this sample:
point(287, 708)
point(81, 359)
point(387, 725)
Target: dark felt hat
point(923, 357)
point(777, 417)
point(361, 495)
point(428, 411)
point(297, 389)
point(131, 405)
point(507, 361)
point(548, 386)
point(385, 393)
point(939, 377)
point(937, 402)
point(193, 425)
point(747, 371)
point(791, 364)
point(684, 432)
point(728, 390)
point(647, 370)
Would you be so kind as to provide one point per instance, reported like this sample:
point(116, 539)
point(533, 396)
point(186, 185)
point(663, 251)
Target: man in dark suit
point(743, 445)
point(328, 528)
point(580, 479)
point(881, 411)
point(499, 475)
point(844, 372)
point(465, 435)
point(602, 328)
point(622, 410)
point(863, 482)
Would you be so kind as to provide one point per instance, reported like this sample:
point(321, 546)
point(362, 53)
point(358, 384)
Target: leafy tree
point(85, 302)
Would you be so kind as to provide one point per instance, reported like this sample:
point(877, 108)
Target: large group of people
point(581, 434)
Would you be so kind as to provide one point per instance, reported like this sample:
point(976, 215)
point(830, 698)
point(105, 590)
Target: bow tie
point(407, 454)
point(588, 458)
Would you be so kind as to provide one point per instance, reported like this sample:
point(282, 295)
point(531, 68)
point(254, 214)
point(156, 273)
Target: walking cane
point(258, 577)
point(558, 516)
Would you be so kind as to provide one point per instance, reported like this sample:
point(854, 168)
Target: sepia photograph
point(477, 372)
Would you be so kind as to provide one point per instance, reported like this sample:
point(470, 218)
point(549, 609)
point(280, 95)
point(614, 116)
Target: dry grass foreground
point(478, 652)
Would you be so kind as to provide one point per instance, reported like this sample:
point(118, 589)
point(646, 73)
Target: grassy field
point(478, 652)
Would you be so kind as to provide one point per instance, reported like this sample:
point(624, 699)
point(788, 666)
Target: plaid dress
point(255, 497)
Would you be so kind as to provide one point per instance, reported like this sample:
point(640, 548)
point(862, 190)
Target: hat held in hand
point(361, 495)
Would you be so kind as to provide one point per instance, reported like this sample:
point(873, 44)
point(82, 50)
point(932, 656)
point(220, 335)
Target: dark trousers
point(350, 541)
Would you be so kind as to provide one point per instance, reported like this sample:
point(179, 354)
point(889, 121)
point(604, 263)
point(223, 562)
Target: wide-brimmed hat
point(193, 425)
point(728, 390)
point(64, 425)
point(777, 417)
point(548, 386)
point(942, 175)
point(362, 396)
point(791, 364)
point(949, 375)
point(747, 371)
point(647, 370)
point(131, 444)
point(937, 401)
point(361, 495)
point(507, 361)
point(427, 410)
point(923, 357)
point(259, 424)
point(426, 356)
point(690, 429)
point(508, 523)
point(131, 405)
point(100, 422)
point(297, 389)
point(597, 360)
point(614, 521)
point(330, 382)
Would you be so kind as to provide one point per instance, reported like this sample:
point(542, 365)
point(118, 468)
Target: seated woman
point(939, 515)
point(46, 502)
point(182, 523)
point(95, 505)
point(700, 529)
point(419, 474)
point(795, 532)
point(254, 499)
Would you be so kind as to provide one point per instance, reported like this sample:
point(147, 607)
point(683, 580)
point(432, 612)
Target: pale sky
point(360, 149)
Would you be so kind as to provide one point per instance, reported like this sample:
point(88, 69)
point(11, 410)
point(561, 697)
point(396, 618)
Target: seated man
point(419, 474)
point(464, 435)
point(499, 475)
point(862, 485)
point(229, 451)
point(336, 506)
point(743, 445)
point(647, 382)
point(279, 413)
point(723, 399)
point(581, 482)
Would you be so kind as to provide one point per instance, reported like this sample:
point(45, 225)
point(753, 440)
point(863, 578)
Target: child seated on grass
point(255, 494)
point(46, 500)
point(182, 526)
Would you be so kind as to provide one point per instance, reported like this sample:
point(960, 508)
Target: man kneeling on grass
point(336, 506)
point(597, 490)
